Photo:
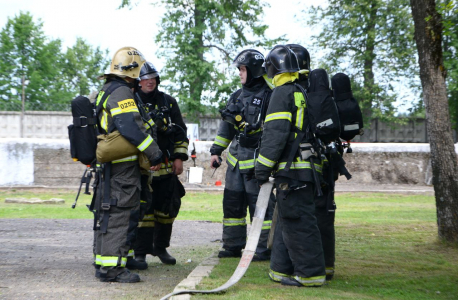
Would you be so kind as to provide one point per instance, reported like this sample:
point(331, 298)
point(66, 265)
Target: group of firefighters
point(262, 125)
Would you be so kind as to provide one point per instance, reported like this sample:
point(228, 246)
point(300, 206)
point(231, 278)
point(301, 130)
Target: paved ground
point(51, 259)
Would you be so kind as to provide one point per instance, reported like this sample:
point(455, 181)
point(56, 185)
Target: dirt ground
point(52, 259)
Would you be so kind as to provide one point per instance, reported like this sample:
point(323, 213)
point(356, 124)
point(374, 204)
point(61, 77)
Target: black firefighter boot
point(162, 235)
point(122, 275)
point(134, 264)
point(164, 256)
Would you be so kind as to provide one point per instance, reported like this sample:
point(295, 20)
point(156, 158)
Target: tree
point(27, 54)
point(199, 39)
point(428, 37)
point(82, 65)
point(449, 12)
point(372, 41)
point(51, 78)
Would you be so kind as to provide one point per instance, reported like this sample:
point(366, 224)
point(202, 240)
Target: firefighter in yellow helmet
point(118, 192)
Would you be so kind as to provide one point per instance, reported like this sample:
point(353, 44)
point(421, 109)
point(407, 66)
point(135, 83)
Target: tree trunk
point(428, 36)
point(369, 57)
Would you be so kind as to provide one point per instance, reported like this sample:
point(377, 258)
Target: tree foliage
point(449, 12)
point(82, 65)
point(199, 39)
point(51, 78)
point(372, 41)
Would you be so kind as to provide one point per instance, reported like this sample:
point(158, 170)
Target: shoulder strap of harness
point(99, 106)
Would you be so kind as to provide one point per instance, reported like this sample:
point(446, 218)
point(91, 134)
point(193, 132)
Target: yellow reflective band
point(165, 170)
point(145, 224)
point(180, 150)
point(255, 131)
point(296, 165)
point(246, 164)
point(104, 121)
point(130, 253)
point(129, 158)
point(329, 271)
point(148, 217)
point(145, 143)
point(220, 141)
point(109, 261)
point(99, 97)
point(299, 100)
point(311, 281)
point(265, 161)
point(276, 276)
point(181, 144)
point(284, 115)
point(165, 220)
point(123, 261)
point(300, 118)
point(98, 260)
point(234, 222)
point(267, 224)
point(115, 111)
point(231, 159)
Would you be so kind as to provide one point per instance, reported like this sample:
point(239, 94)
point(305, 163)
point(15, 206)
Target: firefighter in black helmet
point(118, 191)
point(297, 254)
point(155, 227)
point(303, 60)
point(324, 205)
point(241, 131)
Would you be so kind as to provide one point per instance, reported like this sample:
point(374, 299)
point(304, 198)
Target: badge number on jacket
point(256, 101)
point(127, 104)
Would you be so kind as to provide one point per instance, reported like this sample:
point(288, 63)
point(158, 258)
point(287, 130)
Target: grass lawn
point(387, 247)
point(195, 206)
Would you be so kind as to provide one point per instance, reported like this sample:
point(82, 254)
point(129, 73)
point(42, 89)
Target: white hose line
point(250, 248)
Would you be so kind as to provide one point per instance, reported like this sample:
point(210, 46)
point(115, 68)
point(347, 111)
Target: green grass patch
point(195, 206)
point(386, 248)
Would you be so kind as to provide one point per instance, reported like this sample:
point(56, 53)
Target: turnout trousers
point(240, 194)
point(325, 219)
point(155, 228)
point(113, 246)
point(297, 251)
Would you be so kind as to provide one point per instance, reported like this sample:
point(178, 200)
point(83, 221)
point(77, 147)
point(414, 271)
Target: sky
point(100, 23)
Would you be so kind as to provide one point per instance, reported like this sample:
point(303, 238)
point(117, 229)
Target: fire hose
point(250, 248)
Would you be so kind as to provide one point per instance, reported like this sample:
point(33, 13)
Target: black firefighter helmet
point(149, 71)
point(253, 60)
point(303, 56)
point(280, 59)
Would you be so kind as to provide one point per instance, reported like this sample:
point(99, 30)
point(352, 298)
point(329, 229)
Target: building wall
point(47, 162)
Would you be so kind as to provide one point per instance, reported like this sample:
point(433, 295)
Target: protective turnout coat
point(255, 101)
point(286, 117)
point(173, 143)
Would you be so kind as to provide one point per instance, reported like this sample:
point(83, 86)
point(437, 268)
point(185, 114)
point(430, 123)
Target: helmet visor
point(148, 76)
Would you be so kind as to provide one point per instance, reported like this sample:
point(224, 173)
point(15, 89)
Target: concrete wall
point(53, 125)
point(36, 124)
point(47, 162)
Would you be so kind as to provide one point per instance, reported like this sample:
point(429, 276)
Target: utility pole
point(23, 106)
